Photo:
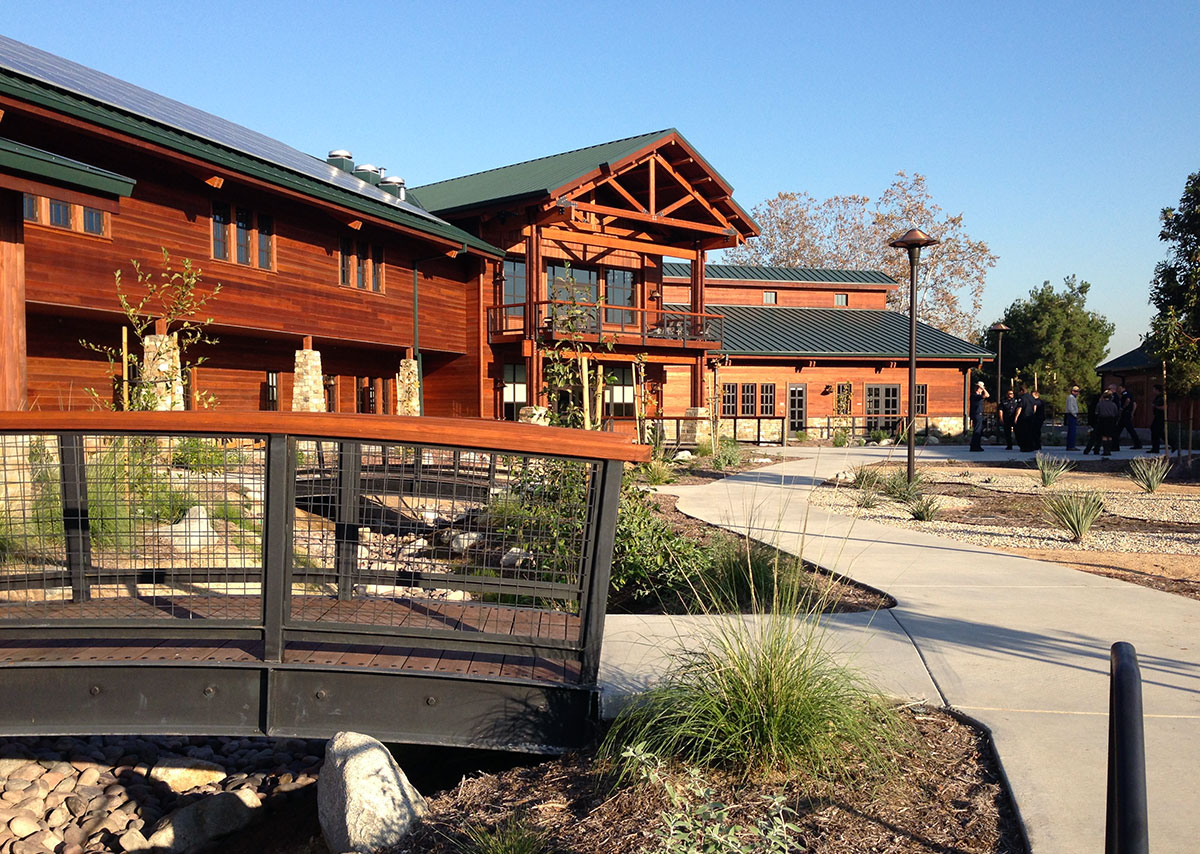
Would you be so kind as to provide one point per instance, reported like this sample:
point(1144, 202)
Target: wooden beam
point(717, 215)
point(657, 220)
point(612, 182)
point(74, 197)
point(617, 243)
point(13, 351)
point(674, 206)
point(653, 202)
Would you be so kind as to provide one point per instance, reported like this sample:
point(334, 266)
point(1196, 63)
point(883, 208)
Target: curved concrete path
point(1019, 645)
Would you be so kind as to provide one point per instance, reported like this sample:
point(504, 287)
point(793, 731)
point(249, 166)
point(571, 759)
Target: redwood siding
point(788, 294)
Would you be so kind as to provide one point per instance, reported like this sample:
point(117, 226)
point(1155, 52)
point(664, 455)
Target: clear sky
point(1059, 130)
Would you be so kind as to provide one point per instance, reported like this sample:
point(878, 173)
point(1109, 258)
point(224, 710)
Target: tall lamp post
point(999, 328)
point(913, 240)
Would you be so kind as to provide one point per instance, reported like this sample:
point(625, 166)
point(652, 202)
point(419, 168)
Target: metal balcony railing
point(560, 319)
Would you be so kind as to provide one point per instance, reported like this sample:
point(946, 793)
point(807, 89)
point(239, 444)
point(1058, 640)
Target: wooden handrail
point(495, 436)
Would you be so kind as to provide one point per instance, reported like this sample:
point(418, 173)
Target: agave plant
point(1074, 512)
point(1052, 468)
point(1149, 472)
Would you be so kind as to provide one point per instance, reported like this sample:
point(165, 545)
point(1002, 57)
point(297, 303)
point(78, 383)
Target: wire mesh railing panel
point(139, 527)
point(420, 538)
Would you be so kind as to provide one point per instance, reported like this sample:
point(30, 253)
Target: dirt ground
point(1178, 574)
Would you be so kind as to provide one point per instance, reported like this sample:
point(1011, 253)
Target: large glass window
point(569, 283)
point(619, 290)
point(514, 288)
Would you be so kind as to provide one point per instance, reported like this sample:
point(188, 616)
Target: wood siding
point(789, 294)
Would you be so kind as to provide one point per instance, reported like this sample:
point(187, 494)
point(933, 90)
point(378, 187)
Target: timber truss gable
point(662, 198)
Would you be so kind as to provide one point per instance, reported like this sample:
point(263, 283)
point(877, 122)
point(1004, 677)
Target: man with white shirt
point(1072, 416)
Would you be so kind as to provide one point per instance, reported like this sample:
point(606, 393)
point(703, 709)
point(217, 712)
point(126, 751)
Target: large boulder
point(364, 801)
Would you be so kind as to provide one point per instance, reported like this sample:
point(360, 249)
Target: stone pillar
point(308, 386)
point(161, 373)
point(698, 431)
point(539, 415)
point(408, 388)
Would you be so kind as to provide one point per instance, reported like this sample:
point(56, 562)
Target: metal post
point(349, 489)
point(1126, 830)
point(914, 263)
point(598, 564)
point(277, 542)
point(73, 470)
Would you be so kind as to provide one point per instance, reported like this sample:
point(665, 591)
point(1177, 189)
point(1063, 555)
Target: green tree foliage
point(852, 232)
point(1175, 293)
point(1053, 335)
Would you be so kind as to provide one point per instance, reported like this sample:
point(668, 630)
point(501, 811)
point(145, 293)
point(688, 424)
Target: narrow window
point(331, 394)
point(266, 241)
point(60, 214)
point(514, 288)
point(841, 299)
point(220, 231)
point(515, 390)
point(845, 397)
point(922, 399)
point(31, 207)
point(272, 391)
point(770, 297)
point(729, 398)
point(749, 399)
point(385, 391)
point(618, 393)
point(377, 269)
point(619, 290)
point(766, 396)
point(361, 266)
point(245, 228)
point(93, 221)
point(347, 250)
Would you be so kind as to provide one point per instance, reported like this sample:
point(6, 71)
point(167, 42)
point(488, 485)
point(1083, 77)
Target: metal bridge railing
point(1126, 830)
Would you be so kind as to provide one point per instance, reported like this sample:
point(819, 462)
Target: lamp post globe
point(913, 240)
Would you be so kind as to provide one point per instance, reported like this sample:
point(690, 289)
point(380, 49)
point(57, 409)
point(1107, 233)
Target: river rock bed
point(71, 795)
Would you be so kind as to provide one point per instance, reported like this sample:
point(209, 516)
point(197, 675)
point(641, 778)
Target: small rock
point(515, 557)
point(205, 820)
point(72, 848)
point(364, 801)
point(133, 840)
point(28, 772)
point(88, 777)
point(57, 817)
point(460, 543)
point(682, 456)
point(76, 804)
point(181, 774)
point(23, 825)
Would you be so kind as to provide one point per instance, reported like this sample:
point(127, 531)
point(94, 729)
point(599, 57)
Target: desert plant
point(866, 477)
point(801, 435)
point(897, 485)
point(867, 499)
point(1074, 512)
point(877, 435)
point(515, 836)
point(1149, 472)
point(1051, 468)
point(925, 508)
point(840, 438)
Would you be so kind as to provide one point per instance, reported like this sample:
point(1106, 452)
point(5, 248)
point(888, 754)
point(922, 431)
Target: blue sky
point(1059, 130)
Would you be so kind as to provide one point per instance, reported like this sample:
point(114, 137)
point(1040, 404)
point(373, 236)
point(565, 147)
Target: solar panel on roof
point(103, 88)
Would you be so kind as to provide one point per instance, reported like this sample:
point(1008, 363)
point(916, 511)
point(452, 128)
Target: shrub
point(877, 435)
point(657, 472)
point(728, 453)
point(1149, 472)
point(704, 449)
point(867, 477)
point(762, 695)
point(867, 499)
point(897, 485)
point(515, 836)
point(801, 435)
point(129, 486)
point(925, 509)
point(1074, 512)
point(1052, 468)
point(650, 560)
point(204, 455)
point(840, 437)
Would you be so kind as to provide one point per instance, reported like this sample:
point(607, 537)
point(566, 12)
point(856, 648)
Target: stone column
point(308, 386)
point(697, 432)
point(161, 372)
point(408, 388)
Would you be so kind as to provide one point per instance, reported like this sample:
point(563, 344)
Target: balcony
point(559, 320)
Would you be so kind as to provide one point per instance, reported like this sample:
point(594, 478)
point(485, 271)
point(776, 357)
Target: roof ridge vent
point(367, 172)
point(341, 159)
point(395, 185)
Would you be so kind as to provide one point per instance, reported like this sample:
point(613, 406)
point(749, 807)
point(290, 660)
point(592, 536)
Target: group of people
point(1022, 413)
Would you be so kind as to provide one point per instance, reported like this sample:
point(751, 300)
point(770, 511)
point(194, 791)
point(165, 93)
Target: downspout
point(416, 336)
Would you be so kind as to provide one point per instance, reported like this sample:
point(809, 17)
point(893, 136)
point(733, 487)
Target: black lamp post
point(912, 240)
point(999, 328)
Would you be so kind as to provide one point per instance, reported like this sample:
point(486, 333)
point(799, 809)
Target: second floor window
point(514, 288)
point(770, 297)
point(841, 299)
point(65, 215)
point(252, 243)
point(361, 265)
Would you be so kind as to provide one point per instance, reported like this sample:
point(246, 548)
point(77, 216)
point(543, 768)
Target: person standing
point(1158, 424)
point(1071, 416)
point(978, 396)
point(1023, 420)
point(1039, 417)
point(1007, 412)
point(1093, 439)
point(1107, 417)
point(1127, 406)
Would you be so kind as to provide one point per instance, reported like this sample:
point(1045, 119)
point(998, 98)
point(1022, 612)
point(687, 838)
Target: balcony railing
point(559, 319)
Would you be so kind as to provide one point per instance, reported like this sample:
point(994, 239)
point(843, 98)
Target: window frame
point(748, 400)
point(242, 235)
point(729, 400)
point(36, 210)
point(841, 300)
point(272, 391)
point(766, 399)
point(362, 265)
point(921, 401)
point(770, 297)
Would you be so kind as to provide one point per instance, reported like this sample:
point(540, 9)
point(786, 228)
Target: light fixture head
point(914, 238)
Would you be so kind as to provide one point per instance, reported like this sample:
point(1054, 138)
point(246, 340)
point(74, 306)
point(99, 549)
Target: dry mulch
point(946, 798)
point(1170, 573)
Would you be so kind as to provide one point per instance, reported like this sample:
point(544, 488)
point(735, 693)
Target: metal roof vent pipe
point(368, 173)
point(342, 159)
point(393, 184)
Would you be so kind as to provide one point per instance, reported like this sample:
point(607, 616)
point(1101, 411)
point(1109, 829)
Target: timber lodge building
point(344, 290)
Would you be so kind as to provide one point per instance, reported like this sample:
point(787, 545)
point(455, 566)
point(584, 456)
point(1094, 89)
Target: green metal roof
point(1134, 360)
point(833, 333)
point(756, 273)
point(17, 157)
point(67, 87)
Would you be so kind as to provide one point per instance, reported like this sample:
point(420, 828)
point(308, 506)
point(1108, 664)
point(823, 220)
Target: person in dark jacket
point(1093, 439)
point(1107, 416)
point(1008, 413)
point(1023, 420)
point(1126, 406)
point(1158, 424)
point(978, 396)
point(1039, 418)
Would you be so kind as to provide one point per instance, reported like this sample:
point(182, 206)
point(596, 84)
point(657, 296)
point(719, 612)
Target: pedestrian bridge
point(424, 580)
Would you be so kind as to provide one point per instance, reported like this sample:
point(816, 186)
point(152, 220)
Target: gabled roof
point(833, 333)
point(754, 272)
point(68, 87)
point(18, 157)
point(545, 176)
point(1134, 360)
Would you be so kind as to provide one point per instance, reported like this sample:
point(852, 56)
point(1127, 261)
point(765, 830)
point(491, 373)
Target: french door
point(797, 407)
point(882, 401)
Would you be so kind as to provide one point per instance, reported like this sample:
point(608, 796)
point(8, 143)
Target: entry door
point(882, 400)
point(797, 407)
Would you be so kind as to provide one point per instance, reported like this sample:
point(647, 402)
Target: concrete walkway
point(1017, 644)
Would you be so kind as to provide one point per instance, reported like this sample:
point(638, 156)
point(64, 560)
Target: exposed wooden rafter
point(605, 240)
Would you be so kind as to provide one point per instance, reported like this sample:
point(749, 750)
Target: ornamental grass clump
point(1074, 512)
point(515, 836)
point(925, 509)
point(656, 472)
point(867, 499)
point(1051, 468)
point(1149, 472)
point(897, 485)
point(866, 477)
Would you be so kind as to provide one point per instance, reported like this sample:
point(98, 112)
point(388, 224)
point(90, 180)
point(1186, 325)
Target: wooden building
point(95, 172)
